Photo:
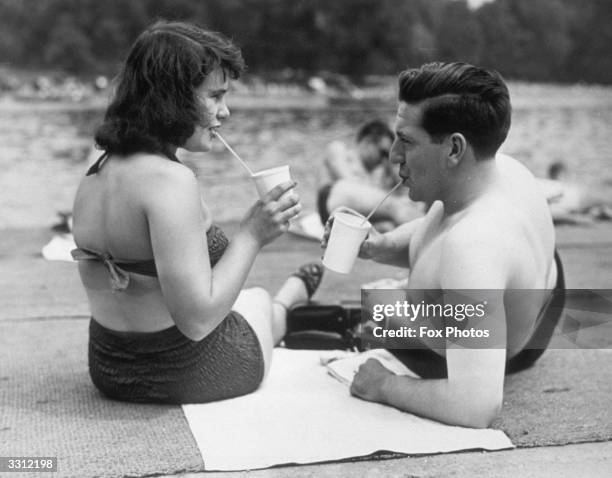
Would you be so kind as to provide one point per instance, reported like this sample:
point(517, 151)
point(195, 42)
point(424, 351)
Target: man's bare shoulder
point(487, 229)
point(488, 222)
point(475, 254)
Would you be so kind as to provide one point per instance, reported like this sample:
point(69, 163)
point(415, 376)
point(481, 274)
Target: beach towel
point(59, 247)
point(302, 414)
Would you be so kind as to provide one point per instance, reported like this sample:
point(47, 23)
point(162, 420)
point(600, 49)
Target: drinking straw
point(229, 148)
point(381, 201)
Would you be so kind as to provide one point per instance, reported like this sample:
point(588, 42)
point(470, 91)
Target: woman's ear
point(457, 146)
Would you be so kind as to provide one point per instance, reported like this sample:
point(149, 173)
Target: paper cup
point(345, 238)
point(268, 179)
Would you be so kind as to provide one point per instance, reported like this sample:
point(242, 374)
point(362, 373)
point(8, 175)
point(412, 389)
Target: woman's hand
point(269, 217)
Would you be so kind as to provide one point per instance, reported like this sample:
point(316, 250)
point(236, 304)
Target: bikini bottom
point(168, 367)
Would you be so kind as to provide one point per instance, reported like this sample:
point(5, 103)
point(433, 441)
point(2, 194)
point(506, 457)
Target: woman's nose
point(223, 112)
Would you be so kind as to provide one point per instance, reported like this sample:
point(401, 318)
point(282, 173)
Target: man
point(360, 178)
point(488, 231)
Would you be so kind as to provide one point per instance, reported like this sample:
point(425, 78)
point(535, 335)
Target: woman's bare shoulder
point(150, 176)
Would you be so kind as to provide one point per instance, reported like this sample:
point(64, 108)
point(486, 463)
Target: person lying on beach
point(170, 321)
point(358, 178)
point(488, 233)
point(571, 203)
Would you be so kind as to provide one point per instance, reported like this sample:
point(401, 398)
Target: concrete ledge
point(592, 460)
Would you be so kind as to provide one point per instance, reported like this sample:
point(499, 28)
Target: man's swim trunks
point(429, 364)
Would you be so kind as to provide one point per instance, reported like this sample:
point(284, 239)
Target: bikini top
point(118, 271)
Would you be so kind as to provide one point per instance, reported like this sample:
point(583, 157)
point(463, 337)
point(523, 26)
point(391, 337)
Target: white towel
point(59, 247)
point(343, 367)
point(303, 415)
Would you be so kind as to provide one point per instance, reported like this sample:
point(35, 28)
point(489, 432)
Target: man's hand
point(369, 381)
point(330, 223)
point(375, 247)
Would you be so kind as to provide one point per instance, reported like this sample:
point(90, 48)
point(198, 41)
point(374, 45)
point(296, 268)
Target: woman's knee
point(254, 299)
point(255, 305)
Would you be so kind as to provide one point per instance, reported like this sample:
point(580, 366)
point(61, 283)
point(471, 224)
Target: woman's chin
point(204, 145)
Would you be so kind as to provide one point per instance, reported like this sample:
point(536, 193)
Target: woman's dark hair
point(460, 98)
point(155, 105)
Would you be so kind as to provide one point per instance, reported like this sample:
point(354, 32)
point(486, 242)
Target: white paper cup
point(345, 238)
point(268, 179)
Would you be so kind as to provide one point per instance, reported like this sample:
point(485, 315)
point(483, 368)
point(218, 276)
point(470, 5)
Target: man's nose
point(396, 155)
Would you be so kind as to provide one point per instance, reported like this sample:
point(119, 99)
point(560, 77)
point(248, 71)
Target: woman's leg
point(268, 316)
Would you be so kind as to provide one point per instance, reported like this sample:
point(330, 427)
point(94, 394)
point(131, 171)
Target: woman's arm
point(197, 297)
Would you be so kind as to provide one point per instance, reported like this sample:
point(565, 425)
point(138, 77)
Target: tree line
point(536, 40)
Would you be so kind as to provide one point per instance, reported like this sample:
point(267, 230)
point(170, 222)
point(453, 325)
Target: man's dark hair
point(375, 129)
point(155, 105)
point(460, 98)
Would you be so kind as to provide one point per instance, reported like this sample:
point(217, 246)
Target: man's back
point(509, 227)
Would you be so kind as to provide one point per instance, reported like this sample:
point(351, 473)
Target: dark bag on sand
point(323, 327)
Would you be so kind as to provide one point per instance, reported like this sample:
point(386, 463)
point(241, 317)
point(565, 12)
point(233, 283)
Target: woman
point(170, 322)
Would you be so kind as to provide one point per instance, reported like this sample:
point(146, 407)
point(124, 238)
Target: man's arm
point(472, 394)
point(393, 247)
point(469, 401)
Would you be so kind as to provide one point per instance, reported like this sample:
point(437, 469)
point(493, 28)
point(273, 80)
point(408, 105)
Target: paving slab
point(588, 460)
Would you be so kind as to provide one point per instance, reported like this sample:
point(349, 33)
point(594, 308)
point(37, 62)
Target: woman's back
point(110, 218)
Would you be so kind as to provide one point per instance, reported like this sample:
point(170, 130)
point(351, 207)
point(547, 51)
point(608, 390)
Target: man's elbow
point(480, 415)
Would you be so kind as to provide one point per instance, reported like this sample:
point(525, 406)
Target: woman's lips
point(213, 130)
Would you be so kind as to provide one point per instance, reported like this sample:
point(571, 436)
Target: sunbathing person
point(359, 178)
point(571, 203)
point(170, 321)
point(488, 233)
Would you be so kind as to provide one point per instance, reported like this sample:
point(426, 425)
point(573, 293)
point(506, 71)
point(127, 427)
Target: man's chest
point(426, 251)
point(425, 265)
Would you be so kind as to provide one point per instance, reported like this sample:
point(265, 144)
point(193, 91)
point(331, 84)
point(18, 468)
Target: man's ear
point(457, 146)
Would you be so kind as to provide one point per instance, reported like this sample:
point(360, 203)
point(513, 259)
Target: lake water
point(45, 151)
